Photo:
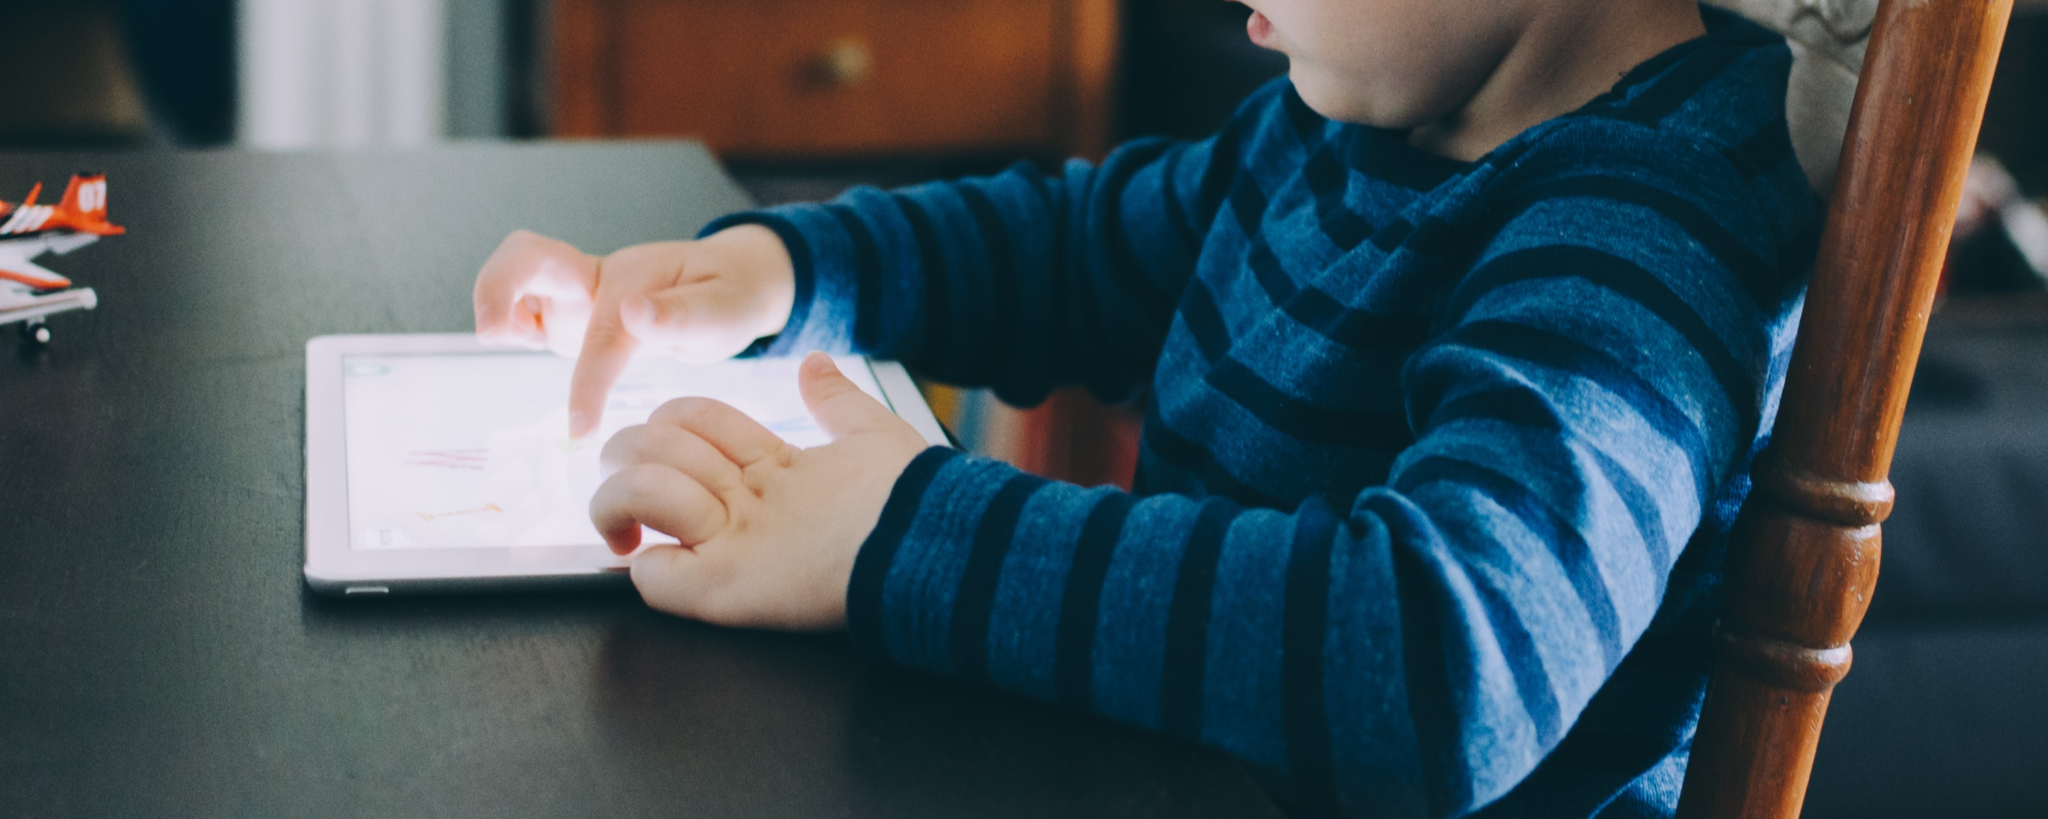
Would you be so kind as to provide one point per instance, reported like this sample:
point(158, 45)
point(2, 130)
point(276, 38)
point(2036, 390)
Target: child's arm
point(1415, 649)
point(1019, 280)
point(1420, 647)
point(1022, 281)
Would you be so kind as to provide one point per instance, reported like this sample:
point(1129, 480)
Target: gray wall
point(481, 68)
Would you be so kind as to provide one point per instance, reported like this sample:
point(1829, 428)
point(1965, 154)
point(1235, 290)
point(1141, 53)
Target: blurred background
point(803, 98)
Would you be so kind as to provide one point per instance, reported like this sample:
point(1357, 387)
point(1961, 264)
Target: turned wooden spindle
point(1805, 551)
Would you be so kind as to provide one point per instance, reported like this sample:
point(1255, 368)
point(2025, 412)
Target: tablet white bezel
point(334, 567)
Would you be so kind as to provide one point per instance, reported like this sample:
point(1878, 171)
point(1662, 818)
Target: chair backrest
point(1805, 552)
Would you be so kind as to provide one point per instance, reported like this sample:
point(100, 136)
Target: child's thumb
point(839, 407)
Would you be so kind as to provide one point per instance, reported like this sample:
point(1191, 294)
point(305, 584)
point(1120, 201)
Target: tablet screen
point(472, 450)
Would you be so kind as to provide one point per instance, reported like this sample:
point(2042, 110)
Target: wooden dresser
point(809, 79)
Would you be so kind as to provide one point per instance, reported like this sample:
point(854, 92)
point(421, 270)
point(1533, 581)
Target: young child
point(1459, 343)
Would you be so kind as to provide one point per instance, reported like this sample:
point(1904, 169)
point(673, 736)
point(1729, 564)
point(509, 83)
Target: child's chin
point(1337, 98)
point(1321, 92)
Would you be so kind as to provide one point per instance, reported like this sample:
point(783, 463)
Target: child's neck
point(1566, 57)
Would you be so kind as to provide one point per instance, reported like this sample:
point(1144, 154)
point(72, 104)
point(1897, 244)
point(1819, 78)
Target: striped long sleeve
point(1020, 281)
point(1440, 458)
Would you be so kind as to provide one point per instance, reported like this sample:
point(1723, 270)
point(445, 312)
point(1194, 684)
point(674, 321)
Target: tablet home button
point(367, 590)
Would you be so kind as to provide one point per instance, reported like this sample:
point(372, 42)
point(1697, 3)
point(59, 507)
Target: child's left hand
point(769, 531)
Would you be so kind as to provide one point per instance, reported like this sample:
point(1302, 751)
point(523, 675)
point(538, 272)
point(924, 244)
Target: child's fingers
point(525, 264)
point(691, 321)
point(742, 439)
point(657, 318)
point(526, 328)
point(836, 403)
point(668, 317)
point(681, 581)
point(673, 447)
point(498, 288)
point(659, 498)
point(607, 348)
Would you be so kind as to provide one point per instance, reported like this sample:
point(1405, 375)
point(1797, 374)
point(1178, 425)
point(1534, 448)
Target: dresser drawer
point(812, 77)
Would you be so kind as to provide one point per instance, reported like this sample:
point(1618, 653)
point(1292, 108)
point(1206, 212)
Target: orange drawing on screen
point(488, 507)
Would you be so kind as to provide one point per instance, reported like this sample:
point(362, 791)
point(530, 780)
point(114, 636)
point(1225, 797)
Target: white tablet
point(434, 463)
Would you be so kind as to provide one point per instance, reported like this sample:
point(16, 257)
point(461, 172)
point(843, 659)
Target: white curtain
point(342, 73)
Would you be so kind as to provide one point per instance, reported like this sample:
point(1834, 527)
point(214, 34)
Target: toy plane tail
point(84, 206)
point(86, 195)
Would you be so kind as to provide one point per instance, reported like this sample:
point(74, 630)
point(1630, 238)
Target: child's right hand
point(700, 301)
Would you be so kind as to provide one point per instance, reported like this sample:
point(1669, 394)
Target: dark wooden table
point(160, 655)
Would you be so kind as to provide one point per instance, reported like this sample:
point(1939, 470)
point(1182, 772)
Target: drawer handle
point(847, 62)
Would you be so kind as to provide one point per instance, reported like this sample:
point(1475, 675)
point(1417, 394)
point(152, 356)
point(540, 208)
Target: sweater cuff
point(821, 315)
point(907, 578)
point(878, 552)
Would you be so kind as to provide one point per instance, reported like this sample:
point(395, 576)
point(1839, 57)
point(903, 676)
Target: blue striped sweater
point(1440, 457)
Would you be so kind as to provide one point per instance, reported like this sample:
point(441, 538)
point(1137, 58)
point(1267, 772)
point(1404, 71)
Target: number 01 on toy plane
point(29, 292)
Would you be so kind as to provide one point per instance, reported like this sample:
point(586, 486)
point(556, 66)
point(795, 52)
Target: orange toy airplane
point(29, 292)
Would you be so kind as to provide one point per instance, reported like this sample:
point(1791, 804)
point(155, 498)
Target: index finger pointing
point(607, 348)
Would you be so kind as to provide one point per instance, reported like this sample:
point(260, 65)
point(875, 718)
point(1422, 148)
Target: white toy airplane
point(30, 293)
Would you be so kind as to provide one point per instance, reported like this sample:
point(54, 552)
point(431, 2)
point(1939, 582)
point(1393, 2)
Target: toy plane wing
point(30, 308)
point(15, 268)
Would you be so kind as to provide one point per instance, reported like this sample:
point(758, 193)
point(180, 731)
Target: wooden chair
point(1805, 554)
